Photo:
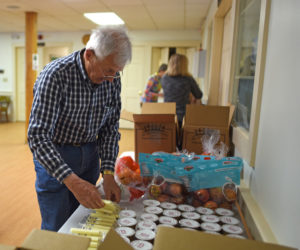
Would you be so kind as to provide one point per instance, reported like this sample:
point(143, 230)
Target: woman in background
point(153, 86)
point(178, 83)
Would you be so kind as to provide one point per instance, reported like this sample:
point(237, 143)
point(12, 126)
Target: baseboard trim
point(254, 217)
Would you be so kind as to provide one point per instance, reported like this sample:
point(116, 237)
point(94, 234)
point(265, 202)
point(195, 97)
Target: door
point(45, 55)
point(133, 82)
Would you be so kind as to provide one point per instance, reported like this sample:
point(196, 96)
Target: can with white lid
point(190, 215)
point(210, 218)
point(127, 213)
point(229, 220)
point(189, 223)
point(147, 216)
point(172, 213)
point(153, 210)
point(127, 222)
point(146, 224)
point(150, 202)
point(146, 235)
point(168, 220)
point(141, 245)
point(208, 226)
point(224, 212)
point(204, 210)
point(125, 232)
point(232, 229)
point(186, 208)
point(168, 205)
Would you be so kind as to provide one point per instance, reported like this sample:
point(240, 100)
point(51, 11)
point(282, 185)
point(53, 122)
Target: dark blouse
point(177, 89)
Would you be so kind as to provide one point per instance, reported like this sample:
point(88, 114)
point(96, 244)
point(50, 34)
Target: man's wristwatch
point(108, 172)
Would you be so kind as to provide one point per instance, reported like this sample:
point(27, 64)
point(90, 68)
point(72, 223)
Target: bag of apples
point(128, 176)
point(197, 180)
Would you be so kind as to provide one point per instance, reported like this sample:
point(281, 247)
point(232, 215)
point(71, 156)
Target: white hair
point(112, 39)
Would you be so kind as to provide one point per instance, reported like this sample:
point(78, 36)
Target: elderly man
point(74, 122)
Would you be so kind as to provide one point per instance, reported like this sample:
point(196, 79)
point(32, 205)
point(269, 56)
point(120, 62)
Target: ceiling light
point(104, 18)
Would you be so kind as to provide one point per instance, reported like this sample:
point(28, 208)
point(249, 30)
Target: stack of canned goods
point(140, 232)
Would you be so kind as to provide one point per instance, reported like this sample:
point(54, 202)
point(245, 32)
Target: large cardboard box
point(155, 129)
point(180, 239)
point(166, 239)
point(200, 117)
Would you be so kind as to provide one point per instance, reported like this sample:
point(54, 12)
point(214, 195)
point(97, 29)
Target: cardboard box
point(48, 240)
point(155, 129)
point(180, 239)
point(166, 239)
point(200, 117)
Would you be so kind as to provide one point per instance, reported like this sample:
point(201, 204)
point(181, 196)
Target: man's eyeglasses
point(116, 76)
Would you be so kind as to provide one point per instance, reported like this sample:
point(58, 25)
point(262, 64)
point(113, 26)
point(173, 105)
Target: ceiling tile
point(58, 15)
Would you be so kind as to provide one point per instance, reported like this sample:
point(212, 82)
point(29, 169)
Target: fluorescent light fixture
point(104, 18)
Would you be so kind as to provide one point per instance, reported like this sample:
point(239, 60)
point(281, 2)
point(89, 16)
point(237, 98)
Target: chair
point(4, 105)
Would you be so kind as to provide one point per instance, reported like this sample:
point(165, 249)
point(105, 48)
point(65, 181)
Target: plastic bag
point(199, 180)
point(128, 175)
point(209, 140)
point(209, 143)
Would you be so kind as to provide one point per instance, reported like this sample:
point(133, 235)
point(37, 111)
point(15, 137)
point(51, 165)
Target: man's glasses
point(116, 76)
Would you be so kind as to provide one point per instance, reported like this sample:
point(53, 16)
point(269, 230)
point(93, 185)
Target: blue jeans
point(56, 202)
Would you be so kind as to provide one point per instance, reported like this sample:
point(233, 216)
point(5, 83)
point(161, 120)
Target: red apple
point(163, 198)
point(211, 204)
point(175, 189)
point(202, 195)
point(216, 194)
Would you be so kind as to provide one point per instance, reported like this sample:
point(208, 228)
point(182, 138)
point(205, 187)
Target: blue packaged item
point(211, 173)
point(194, 171)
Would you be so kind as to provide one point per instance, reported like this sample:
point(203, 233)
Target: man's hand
point(111, 188)
point(86, 193)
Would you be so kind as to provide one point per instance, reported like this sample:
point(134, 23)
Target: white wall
point(276, 179)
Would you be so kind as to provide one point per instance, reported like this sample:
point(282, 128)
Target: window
point(251, 35)
point(246, 51)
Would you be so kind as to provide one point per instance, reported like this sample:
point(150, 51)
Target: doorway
point(45, 55)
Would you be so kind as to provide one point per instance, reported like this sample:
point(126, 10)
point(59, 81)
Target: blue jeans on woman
point(56, 202)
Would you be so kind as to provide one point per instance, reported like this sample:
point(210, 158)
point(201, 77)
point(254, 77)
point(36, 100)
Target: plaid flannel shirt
point(69, 109)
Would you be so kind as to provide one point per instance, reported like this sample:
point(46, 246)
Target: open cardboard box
point(200, 117)
point(180, 239)
point(155, 129)
point(166, 239)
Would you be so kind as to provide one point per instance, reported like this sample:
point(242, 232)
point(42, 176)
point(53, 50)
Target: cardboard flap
point(154, 118)
point(201, 115)
point(180, 239)
point(159, 108)
point(231, 112)
point(126, 115)
point(113, 241)
point(47, 240)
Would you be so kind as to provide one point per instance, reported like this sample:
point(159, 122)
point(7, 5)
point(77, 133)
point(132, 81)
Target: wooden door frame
point(216, 51)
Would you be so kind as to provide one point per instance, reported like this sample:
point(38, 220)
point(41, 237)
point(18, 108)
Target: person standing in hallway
point(74, 123)
point(153, 86)
point(178, 84)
